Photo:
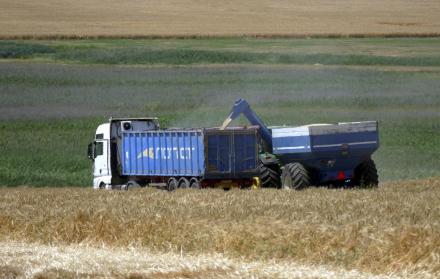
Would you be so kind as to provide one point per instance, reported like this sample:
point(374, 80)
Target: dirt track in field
point(213, 18)
point(42, 261)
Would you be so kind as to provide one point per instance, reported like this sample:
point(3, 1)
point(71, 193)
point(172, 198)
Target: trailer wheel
point(269, 177)
point(183, 183)
point(295, 176)
point(132, 185)
point(172, 184)
point(194, 183)
point(366, 175)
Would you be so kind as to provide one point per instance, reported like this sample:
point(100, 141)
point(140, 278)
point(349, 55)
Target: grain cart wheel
point(366, 175)
point(172, 184)
point(269, 177)
point(295, 176)
point(183, 183)
point(194, 183)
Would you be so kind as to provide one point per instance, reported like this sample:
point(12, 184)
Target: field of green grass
point(368, 51)
point(53, 94)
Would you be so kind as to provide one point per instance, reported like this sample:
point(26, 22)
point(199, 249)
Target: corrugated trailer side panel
point(163, 153)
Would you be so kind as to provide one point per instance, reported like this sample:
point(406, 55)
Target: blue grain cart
point(326, 153)
point(136, 152)
point(318, 154)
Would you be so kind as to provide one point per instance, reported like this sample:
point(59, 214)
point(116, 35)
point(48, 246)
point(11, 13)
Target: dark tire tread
point(366, 174)
point(299, 175)
point(194, 183)
point(183, 183)
point(172, 184)
point(269, 177)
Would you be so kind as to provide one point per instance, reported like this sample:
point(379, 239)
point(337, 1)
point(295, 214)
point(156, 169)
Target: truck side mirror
point(90, 149)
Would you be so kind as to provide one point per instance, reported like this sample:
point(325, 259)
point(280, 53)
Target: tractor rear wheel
point(366, 175)
point(295, 176)
point(269, 176)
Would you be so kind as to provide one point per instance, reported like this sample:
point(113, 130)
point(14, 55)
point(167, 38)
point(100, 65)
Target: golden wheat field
point(47, 18)
point(390, 232)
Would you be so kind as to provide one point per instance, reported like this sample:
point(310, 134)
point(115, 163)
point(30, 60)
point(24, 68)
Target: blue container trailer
point(207, 153)
point(136, 152)
point(163, 153)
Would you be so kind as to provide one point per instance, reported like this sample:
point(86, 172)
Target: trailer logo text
point(183, 153)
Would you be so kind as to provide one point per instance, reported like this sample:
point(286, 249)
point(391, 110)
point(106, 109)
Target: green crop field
point(362, 52)
point(53, 94)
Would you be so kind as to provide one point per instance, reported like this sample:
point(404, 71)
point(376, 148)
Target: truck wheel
point(172, 184)
point(194, 183)
point(183, 183)
point(366, 175)
point(295, 176)
point(269, 177)
point(132, 185)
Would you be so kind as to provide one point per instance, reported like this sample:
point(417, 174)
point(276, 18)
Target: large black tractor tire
point(365, 175)
point(270, 176)
point(295, 176)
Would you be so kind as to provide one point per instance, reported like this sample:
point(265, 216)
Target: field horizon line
point(222, 36)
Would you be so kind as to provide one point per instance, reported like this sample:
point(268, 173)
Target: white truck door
point(101, 167)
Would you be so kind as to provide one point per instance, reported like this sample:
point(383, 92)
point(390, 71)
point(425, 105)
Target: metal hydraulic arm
point(241, 106)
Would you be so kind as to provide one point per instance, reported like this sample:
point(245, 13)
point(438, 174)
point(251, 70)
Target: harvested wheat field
point(213, 18)
point(73, 261)
point(390, 232)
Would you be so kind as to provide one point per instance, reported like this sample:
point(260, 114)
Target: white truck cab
point(103, 150)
